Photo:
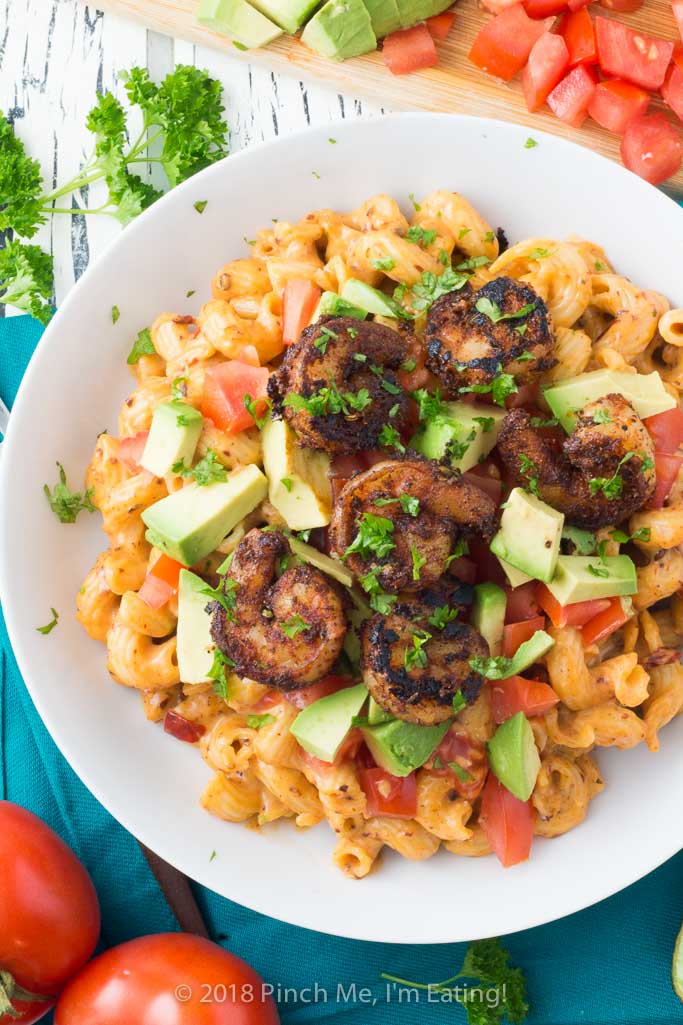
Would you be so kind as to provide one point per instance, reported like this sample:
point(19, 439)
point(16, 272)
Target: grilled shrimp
point(423, 508)
point(412, 668)
point(609, 447)
point(350, 366)
point(468, 347)
point(286, 632)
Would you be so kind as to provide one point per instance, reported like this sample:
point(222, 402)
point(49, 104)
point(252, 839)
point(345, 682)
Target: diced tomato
point(672, 90)
point(666, 468)
point(575, 614)
point(666, 429)
point(515, 634)
point(605, 623)
point(507, 823)
point(307, 695)
point(299, 301)
point(651, 147)
point(519, 695)
point(482, 477)
point(548, 61)
point(161, 582)
point(677, 7)
point(576, 28)
point(440, 25)
point(623, 6)
point(488, 566)
point(544, 8)
point(131, 449)
point(168, 570)
point(503, 45)
point(181, 728)
point(459, 748)
point(626, 53)
point(615, 103)
point(521, 603)
point(569, 100)
point(464, 569)
point(576, 5)
point(225, 387)
point(409, 49)
point(392, 796)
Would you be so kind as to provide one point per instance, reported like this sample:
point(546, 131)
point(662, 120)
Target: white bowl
point(73, 389)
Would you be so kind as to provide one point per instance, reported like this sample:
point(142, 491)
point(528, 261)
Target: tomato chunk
point(521, 603)
point(131, 449)
point(672, 90)
point(409, 49)
point(606, 622)
point(393, 796)
point(666, 468)
point(307, 695)
point(544, 8)
point(440, 25)
point(181, 728)
point(503, 45)
point(576, 5)
point(161, 582)
point(515, 634)
point(299, 301)
point(625, 53)
point(507, 823)
point(575, 614)
point(569, 100)
point(225, 387)
point(651, 148)
point(463, 759)
point(533, 697)
point(615, 103)
point(576, 28)
point(666, 429)
point(548, 61)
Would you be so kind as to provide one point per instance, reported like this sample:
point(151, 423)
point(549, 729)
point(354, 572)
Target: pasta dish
point(395, 528)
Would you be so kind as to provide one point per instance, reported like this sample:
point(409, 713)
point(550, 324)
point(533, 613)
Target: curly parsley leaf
point(374, 537)
point(142, 346)
point(49, 627)
point(500, 387)
point(611, 487)
point(294, 625)
point(217, 673)
point(493, 311)
point(26, 279)
point(529, 470)
point(431, 287)
point(422, 236)
point(21, 185)
point(416, 655)
point(330, 401)
point(442, 616)
point(379, 600)
point(208, 470)
point(65, 503)
point(256, 722)
point(226, 596)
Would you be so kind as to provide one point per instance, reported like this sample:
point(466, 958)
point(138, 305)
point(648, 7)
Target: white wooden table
point(55, 55)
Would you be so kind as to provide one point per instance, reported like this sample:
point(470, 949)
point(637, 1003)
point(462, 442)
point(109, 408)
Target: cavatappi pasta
point(612, 687)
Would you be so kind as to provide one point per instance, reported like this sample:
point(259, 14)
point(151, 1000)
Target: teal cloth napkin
point(609, 965)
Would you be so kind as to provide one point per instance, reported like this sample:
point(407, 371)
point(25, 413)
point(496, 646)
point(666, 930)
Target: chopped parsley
point(388, 386)
point(500, 387)
point(611, 487)
point(384, 263)
point(379, 600)
point(463, 233)
point(461, 548)
point(49, 627)
point(416, 205)
point(142, 346)
point(473, 263)
point(67, 504)
point(493, 668)
point(485, 423)
point(599, 266)
point(183, 419)
point(115, 314)
point(530, 143)
point(529, 470)
point(255, 722)
point(441, 616)
point(602, 416)
point(324, 339)
point(539, 254)
point(329, 400)
point(294, 625)
point(429, 405)
point(389, 437)
point(583, 540)
point(360, 357)
point(495, 314)
point(444, 258)
point(420, 235)
point(286, 483)
point(252, 406)
point(598, 571)
point(207, 471)
point(179, 387)
point(200, 205)
point(226, 596)
point(216, 673)
point(459, 701)
point(394, 409)
point(640, 534)
point(538, 421)
point(489, 237)
point(417, 656)
point(418, 561)
point(462, 774)
point(374, 537)
point(409, 503)
point(431, 287)
point(408, 365)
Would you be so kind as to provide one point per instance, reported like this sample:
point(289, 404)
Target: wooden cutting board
point(454, 86)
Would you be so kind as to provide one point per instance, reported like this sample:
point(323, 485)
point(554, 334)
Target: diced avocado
point(290, 15)
point(513, 756)
point(340, 29)
point(370, 299)
point(412, 11)
point(172, 437)
point(583, 577)
point(401, 747)
point(645, 392)
point(239, 20)
point(192, 522)
point(530, 534)
point(321, 727)
point(463, 433)
point(376, 713)
point(195, 645)
point(584, 542)
point(298, 485)
point(332, 305)
point(384, 16)
point(527, 653)
point(333, 567)
point(356, 616)
point(488, 614)
point(515, 576)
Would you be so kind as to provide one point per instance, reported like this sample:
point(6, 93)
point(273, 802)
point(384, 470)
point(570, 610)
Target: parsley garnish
point(379, 600)
point(463, 233)
point(584, 542)
point(530, 143)
point(416, 206)
point(429, 405)
point(49, 627)
point(598, 571)
point(489, 237)
point(294, 625)
point(441, 616)
point(115, 314)
point(493, 668)
point(473, 263)
point(183, 419)
point(408, 365)
point(641, 534)
point(142, 346)
point(388, 386)
point(602, 416)
point(417, 656)
point(500, 387)
point(539, 254)
point(418, 561)
point(444, 258)
point(226, 596)
point(385, 263)
point(324, 339)
point(216, 673)
point(200, 205)
point(252, 405)
point(374, 537)
point(389, 437)
point(409, 503)
point(485, 423)
point(495, 314)
point(67, 504)
point(431, 287)
point(255, 722)
point(529, 470)
point(613, 486)
point(286, 483)
point(599, 266)
point(330, 401)
point(462, 774)
point(207, 471)
point(420, 235)
point(179, 387)
point(538, 421)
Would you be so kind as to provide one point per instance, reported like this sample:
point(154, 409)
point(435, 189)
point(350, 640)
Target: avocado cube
point(192, 522)
point(172, 437)
point(195, 645)
point(290, 15)
point(384, 16)
point(527, 653)
point(645, 392)
point(529, 535)
point(413, 11)
point(370, 299)
point(340, 29)
point(488, 615)
point(239, 20)
point(322, 726)
point(584, 577)
point(298, 484)
point(376, 713)
point(401, 747)
point(513, 756)
point(462, 433)
point(332, 305)
point(514, 576)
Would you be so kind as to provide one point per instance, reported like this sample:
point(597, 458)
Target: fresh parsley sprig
point(65, 503)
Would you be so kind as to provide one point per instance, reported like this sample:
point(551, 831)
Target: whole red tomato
point(167, 979)
point(49, 915)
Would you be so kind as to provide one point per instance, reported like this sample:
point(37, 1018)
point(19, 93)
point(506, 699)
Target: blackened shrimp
point(416, 660)
point(337, 386)
point(284, 631)
point(601, 474)
point(399, 521)
point(474, 336)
